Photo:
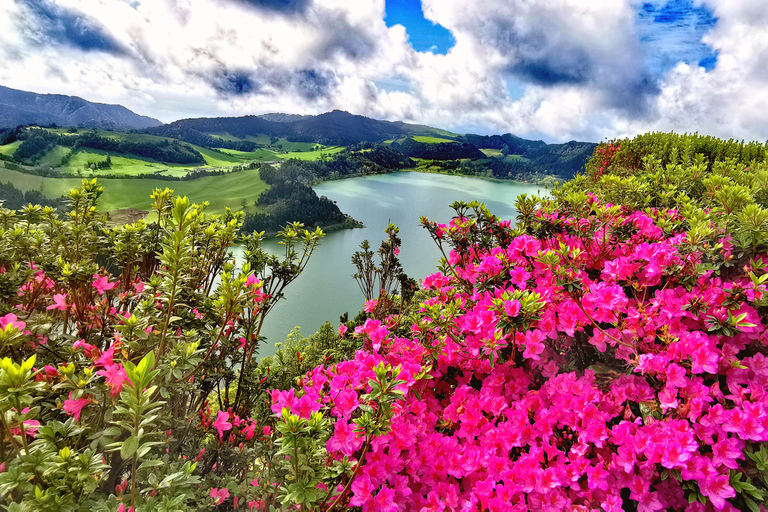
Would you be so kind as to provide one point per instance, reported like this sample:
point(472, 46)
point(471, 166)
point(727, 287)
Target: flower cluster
point(599, 366)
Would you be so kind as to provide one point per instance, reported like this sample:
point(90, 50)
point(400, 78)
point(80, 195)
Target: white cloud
point(580, 65)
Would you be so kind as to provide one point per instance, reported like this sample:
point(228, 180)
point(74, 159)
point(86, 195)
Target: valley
point(217, 159)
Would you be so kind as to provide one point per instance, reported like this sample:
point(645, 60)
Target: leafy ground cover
point(606, 352)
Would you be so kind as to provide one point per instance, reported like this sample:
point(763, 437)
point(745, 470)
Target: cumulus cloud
point(584, 70)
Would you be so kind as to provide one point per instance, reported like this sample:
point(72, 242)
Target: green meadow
point(10, 149)
point(490, 152)
point(227, 191)
point(430, 140)
point(311, 155)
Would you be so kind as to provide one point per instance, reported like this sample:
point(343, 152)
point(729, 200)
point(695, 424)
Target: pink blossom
point(344, 439)
point(89, 350)
point(219, 495)
point(59, 302)
point(75, 407)
point(102, 284)
point(305, 406)
point(717, 489)
point(11, 321)
point(370, 305)
point(115, 376)
point(222, 424)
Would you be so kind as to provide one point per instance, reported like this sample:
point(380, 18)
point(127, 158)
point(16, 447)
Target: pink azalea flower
point(30, 426)
point(89, 350)
point(249, 431)
point(305, 406)
point(107, 357)
point(11, 321)
point(281, 399)
point(370, 305)
point(221, 424)
point(342, 330)
point(138, 286)
point(102, 284)
point(75, 407)
point(717, 489)
point(59, 302)
point(219, 495)
point(344, 439)
point(116, 378)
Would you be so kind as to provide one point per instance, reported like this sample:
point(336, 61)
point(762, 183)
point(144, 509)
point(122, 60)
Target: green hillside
point(226, 191)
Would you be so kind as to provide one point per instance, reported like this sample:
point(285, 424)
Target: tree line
point(36, 142)
point(290, 199)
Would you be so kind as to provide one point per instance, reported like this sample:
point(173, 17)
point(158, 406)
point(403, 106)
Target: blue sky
point(424, 35)
point(556, 69)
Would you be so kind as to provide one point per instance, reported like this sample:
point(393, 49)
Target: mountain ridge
point(19, 107)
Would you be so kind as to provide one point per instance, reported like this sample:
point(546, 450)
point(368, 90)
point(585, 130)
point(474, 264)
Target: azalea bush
point(119, 347)
point(605, 352)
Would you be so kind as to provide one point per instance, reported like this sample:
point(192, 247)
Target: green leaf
point(129, 447)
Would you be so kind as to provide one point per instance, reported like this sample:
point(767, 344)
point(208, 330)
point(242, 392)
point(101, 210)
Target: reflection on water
point(327, 290)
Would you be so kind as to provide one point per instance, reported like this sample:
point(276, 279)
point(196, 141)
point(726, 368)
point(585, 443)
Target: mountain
point(277, 117)
point(24, 108)
point(505, 155)
point(336, 128)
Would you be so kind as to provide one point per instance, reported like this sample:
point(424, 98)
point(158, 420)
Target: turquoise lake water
point(327, 290)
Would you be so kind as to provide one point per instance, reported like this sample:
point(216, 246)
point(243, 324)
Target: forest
point(290, 198)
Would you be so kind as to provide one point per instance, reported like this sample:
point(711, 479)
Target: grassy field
point(223, 136)
point(53, 157)
point(289, 146)
point(259, 154)
point(127, 165)
point(216, 158)
point(220, 191)
point(430, 140)
point(311, 155)
point(22, 181)
point(513, 158)
point(10, 149)
point(490, 152)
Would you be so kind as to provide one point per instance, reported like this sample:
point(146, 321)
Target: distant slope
point(563, 160)
point(505, 155)
point(24, 108)
point(336, 128)
point(277, 117)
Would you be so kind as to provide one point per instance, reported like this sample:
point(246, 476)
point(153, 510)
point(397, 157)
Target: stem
point(352, 477)
point(136, 420)
point(167, 322)
point(210, 351)
point(11, 436)
point(594, 324)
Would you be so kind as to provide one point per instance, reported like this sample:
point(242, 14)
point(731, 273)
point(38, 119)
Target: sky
point(557, 70)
